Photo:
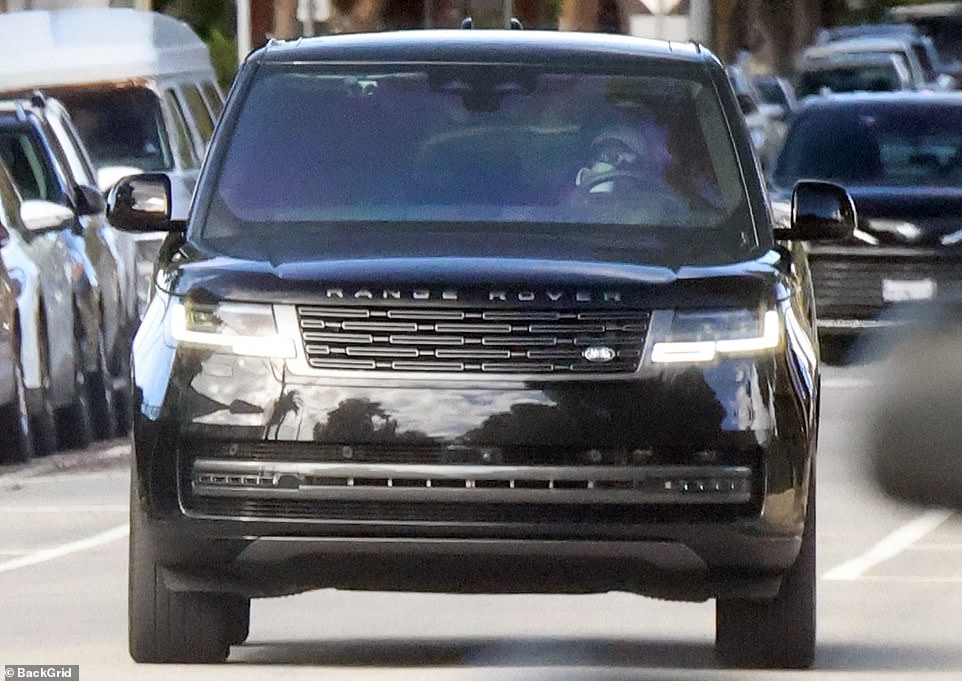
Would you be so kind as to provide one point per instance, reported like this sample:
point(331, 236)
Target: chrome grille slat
point(412, 339)
point(467, 483)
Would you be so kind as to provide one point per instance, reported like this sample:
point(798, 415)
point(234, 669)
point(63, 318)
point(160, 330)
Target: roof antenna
point(490, 14)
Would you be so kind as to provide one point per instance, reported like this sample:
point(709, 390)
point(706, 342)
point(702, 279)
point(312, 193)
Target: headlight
point(907, 231)
point(241, 329)
point(702, 336)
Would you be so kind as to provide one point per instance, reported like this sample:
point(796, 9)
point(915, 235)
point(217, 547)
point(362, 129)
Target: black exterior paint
point(760, 412)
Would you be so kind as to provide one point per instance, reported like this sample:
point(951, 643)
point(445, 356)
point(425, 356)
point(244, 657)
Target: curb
point(105, 454)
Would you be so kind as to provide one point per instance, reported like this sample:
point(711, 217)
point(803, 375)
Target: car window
point(215, 102)
point(30, 172)
point(184, 147)
point(199, 114)
point(9, 199)
point(879, 77)
point(470, 145)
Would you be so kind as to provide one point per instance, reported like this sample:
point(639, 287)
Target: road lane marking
point(96, 540)
point(890, 579)
point(889, 547)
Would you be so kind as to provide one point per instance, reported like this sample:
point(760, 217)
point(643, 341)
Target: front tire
point(74, 425)
point(168, 626)
point(100, 392)
point(776, 634)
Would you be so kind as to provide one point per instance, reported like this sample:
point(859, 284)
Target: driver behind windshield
point(626, 159)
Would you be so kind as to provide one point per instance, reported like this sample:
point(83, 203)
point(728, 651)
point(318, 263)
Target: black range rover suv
point(477, 311)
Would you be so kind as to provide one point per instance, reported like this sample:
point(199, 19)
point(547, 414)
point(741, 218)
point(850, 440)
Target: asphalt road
point(890, 594)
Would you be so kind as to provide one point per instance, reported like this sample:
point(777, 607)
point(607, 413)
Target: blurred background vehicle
point(139, 86)
point(940, 21)
point(860, 72)
point(40, 263)
point(900, 157)
point(886, 44)
point(777, 93)
point(922, 45)
point(765, 124)
point(16, 437)
point(40, 146)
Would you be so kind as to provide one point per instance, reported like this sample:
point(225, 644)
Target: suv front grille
point(472, 341)
point(850, 285)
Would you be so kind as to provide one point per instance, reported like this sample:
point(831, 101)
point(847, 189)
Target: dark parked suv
point(477, 311)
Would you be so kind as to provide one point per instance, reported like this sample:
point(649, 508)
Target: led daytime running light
point(706, 351)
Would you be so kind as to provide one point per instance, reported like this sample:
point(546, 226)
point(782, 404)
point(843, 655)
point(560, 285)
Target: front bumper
point(673, 484)
point(262, 478)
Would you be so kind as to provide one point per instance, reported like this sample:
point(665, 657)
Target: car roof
point(481, 45)
point(41, 48)
point(868, 30)
point(894, 98)
point(864, 43)
point(848, 58)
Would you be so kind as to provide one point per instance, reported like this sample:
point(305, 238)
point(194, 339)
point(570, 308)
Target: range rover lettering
point(477, 312)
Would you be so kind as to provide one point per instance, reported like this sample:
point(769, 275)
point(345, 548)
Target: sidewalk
point(100, 454)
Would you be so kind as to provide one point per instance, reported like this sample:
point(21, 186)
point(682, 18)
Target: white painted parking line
point(96, 540)
point(891, 579)
point(889, 547)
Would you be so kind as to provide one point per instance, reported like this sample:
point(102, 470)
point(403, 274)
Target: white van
point(139, 86)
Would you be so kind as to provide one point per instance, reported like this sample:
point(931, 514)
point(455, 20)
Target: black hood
point(476, 281)
point(935, 213)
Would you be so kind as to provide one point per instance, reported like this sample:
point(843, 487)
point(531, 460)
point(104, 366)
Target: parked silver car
point(51, 290)
point(16, 441)
point(108, 254)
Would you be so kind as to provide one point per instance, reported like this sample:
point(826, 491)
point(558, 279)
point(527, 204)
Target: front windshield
point(476, 145)
point(880, 76)
point(120, 126)
point(866, 144)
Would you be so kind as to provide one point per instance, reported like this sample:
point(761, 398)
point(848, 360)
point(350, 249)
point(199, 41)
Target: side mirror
point(820, 211)
point(140, 203)
point(90, 200)
point(45, 216)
